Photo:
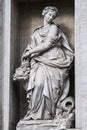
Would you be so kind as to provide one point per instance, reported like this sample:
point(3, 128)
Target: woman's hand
point(26, 54)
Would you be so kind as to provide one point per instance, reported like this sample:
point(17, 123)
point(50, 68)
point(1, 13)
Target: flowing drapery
point(49, 80)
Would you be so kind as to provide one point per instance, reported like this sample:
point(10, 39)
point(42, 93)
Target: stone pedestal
point(38, 125)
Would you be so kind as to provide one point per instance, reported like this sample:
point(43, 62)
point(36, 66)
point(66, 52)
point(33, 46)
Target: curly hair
point(50, 8)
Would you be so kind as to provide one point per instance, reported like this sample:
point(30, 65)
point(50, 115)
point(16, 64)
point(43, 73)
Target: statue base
point(38, 125)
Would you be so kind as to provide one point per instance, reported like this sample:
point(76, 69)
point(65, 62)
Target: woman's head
point(50, 9)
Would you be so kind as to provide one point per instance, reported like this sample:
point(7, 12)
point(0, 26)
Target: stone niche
point(25, 17)
point(31, 18)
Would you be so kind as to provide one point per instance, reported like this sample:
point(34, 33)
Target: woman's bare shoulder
point(53, 30)
point(54, 26)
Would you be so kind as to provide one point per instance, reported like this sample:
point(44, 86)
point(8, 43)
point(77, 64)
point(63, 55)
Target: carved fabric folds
point(50, 69)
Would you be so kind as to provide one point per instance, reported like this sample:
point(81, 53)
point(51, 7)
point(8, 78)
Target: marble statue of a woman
point(50, 58)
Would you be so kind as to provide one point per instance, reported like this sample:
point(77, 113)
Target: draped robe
point(53, 65)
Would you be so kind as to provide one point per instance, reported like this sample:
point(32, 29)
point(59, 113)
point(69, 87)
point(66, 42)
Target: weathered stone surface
point(35, 125)
point(38, 125)
point(10, 61)
point(81, 108)
point(81, 63)
point(1, 17)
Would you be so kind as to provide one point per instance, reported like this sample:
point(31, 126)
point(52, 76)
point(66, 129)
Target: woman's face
point(49, 17)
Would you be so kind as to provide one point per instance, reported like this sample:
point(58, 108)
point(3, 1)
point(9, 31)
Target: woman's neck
point(46, 24)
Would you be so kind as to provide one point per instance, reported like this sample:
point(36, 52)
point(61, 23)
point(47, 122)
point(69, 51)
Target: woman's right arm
point(48, 43)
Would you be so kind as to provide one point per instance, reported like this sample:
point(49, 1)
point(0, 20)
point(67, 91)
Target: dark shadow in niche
point(14, 97)
point(72, 80)
point(23, 97)
point(72, 85)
